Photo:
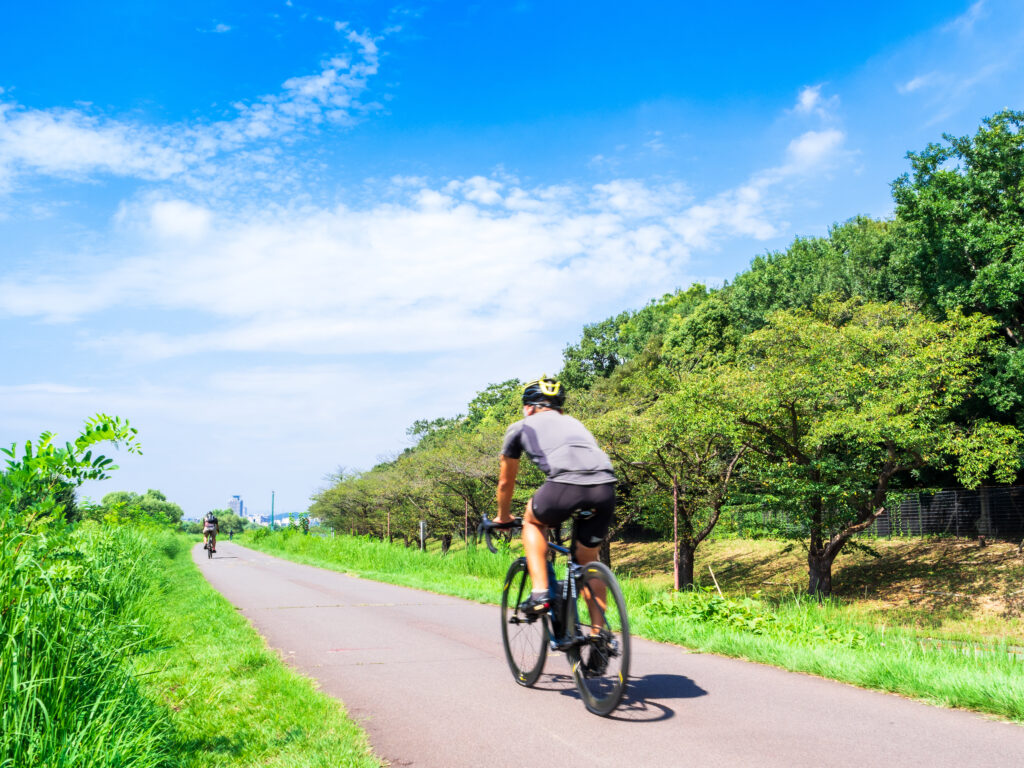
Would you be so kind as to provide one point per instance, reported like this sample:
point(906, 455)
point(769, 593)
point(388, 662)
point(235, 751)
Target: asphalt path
point(426, 676)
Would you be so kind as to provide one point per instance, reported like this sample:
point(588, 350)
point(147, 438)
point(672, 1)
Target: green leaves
point(960, 243)
point(38, 485)
point(841, 402)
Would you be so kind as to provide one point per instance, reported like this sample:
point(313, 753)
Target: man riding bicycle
point(579, 477)
point(211, 527)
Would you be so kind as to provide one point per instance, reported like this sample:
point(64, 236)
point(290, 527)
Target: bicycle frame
point(560, 641)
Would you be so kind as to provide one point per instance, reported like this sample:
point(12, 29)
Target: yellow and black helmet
point(544, 391)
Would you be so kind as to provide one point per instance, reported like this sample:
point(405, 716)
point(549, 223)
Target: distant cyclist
point(579, 477)
point(211, 527)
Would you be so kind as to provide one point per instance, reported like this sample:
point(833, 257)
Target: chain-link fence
point(996, 513)
point(989, 512)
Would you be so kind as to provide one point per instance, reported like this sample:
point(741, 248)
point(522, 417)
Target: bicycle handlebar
point(487, 527)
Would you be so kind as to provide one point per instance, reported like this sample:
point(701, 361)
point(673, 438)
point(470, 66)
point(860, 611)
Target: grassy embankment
point(902, 638)
point(234, 702)
point(114, 651)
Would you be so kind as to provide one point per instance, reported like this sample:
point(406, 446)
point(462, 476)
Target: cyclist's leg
point(213, 540)
point(593, 531)
point(594, 592)
point(535, 545)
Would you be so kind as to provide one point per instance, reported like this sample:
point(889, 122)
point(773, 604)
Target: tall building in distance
point(237, 506)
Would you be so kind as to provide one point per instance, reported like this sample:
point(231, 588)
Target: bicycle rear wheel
point(600, 664)
point(525, 637)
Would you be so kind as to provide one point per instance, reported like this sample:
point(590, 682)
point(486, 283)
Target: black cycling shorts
point(554, 503)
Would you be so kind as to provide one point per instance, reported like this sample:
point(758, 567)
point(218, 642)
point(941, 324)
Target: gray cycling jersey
point(561, 446)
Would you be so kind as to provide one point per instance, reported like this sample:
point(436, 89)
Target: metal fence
point(989, 512)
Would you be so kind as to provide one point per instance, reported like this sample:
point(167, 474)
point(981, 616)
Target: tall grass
point(796, 633)
point(69, 624)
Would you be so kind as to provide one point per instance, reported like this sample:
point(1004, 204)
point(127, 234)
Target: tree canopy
point(817, 386)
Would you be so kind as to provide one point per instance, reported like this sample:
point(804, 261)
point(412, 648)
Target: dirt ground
point(942, 587)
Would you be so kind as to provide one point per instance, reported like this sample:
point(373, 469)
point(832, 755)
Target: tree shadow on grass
point(214, 744)
point(945, 577)
point(235, 746)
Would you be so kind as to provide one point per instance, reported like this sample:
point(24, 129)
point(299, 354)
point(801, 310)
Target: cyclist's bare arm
point(509, 469)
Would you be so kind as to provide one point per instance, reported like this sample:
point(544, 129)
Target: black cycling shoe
point(596, 663)
point(535, 606)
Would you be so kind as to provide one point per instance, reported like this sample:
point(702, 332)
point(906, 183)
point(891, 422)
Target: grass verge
point(794, 633)
point(232, 701)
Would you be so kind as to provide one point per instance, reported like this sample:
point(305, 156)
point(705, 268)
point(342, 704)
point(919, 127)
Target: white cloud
point(637, 199)
point(916, 83)
point(76, 143)
point(810, 101)
point(429, 269)
point(656, 143)
point(813, 148)
point(180, 219)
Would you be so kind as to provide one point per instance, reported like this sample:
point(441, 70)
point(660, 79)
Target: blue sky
point(274, 234)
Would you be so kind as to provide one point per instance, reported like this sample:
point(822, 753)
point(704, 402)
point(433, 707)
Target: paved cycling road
point(425, 675)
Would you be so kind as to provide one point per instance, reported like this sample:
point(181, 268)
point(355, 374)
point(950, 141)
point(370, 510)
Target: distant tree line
point(823, 382)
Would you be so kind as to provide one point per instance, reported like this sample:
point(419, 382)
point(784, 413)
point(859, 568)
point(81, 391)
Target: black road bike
point(587, 622)
point(208, 546)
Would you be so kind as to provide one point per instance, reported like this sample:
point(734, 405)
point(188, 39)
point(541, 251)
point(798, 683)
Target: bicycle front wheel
point(600, 662)
point(525, 637)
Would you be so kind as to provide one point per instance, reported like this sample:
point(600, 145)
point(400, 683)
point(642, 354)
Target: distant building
point(237, 506)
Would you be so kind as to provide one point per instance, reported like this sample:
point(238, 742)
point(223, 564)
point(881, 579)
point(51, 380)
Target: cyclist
point(211, 527)
point(579, 477)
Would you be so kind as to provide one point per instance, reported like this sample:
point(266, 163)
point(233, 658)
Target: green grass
point(115, 652)
point(70, 615)
point(233, 701)
point(831, 639)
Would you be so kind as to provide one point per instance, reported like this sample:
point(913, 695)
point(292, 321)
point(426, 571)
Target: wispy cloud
point(919, 82)
point(219, 28)
point(75, 143)
point(964, 23)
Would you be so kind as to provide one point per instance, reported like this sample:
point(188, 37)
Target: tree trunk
point(605, 555)
point(465, 520)
point(675, 537)
point(819, 569)
point(446, 543)
point(685, 555)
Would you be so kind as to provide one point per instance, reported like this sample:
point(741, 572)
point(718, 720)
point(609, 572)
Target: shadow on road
point(642, 702)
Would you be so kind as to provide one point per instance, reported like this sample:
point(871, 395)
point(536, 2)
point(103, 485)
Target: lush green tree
point(125, 506)
point(671, 438)
point(852, 260)
point(841, 404)
point(961, 240)
point(230, 522)
point(610, 343)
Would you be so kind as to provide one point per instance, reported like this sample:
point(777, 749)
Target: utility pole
point(271, 510)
